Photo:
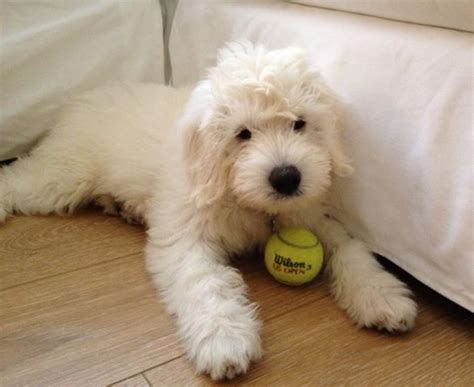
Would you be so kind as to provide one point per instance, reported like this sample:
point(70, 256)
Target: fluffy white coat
point(174, 160)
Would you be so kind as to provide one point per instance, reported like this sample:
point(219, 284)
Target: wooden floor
point(78, 309)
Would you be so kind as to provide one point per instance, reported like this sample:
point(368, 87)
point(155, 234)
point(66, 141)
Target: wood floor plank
point(77, 312)
point(325, 349)
point(317, 346)
point(134, 381)
point(177, 373)
point(32, 248)
point(92, 326)
point(93, 319)
point(44, 321)
point(273, 298)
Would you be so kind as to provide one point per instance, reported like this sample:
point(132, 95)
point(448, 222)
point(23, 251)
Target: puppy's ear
point(341, 164)
point(204, 150)
point(333, 122)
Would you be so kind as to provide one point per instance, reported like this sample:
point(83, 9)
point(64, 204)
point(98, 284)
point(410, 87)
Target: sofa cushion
point(456, 14)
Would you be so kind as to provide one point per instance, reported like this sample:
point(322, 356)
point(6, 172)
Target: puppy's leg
point(371, 296)
point(216, 322)
point(45, 182)
point(133, 211)
point(108, 204)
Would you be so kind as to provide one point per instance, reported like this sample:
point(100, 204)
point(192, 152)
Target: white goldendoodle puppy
point(207, 171)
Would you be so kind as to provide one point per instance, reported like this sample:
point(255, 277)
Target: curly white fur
point(204, 193)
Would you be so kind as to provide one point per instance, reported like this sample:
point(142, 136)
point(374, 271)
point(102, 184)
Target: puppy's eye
point(298, 125)
point(245, 134)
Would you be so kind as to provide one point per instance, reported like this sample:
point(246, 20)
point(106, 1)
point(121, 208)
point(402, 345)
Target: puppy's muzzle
point(285, 180)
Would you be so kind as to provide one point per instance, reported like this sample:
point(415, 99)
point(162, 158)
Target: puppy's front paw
point(384, 303)
point(371, 296)
point(227, 350)
point(226, 357)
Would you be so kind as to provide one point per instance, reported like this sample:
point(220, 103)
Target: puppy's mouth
point(280, 203)
point(277, 196)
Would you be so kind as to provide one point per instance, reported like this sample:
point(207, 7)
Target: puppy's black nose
point(286, 179)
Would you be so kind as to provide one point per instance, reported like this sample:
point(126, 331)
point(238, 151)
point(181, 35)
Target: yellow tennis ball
point(294, 256)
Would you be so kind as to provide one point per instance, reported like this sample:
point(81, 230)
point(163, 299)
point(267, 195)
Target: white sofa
point(408, 87)
point(50, 49)
point(407, 83)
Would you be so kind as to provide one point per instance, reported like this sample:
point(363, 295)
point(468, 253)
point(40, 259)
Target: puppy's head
point(263, 128)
